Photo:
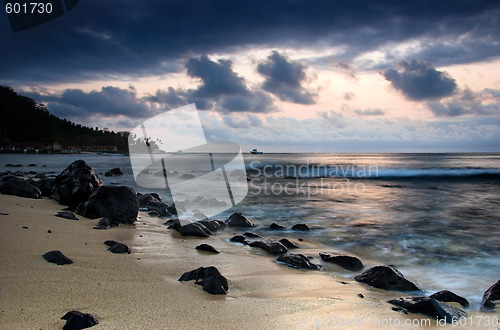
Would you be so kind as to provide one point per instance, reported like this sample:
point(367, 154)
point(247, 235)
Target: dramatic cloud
point(284, 79)
point(222, 85)
point(344, 44)
point(420, 81)
point(108, 102)
point(171, 98)
point(218, 78)
point(135, 38)
point(484, 103)
point(221, 90)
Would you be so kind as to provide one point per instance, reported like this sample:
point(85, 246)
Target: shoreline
point(141, 289)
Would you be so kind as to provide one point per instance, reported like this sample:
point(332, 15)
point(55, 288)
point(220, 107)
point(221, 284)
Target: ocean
point(434, 216)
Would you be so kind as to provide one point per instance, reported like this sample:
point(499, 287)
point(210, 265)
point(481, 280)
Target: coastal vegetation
point(26, 126)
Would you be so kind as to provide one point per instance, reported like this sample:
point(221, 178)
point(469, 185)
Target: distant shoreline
point(125, 153)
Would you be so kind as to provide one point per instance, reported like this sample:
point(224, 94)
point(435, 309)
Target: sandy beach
point(140, 290)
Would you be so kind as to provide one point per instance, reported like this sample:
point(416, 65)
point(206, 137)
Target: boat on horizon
point(256, 152)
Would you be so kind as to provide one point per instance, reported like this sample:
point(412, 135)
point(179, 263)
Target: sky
point(280, 76)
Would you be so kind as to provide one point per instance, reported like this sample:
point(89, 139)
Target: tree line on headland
point(26, 126)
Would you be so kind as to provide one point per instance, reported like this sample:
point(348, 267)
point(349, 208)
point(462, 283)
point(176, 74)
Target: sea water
point(434, 216)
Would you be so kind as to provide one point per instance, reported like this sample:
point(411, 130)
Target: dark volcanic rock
point(118, 204)
point(173, 224)
point(114, 171)
point(145, 199)
point(161, 208)
point(153, 202)
point(297, 261)
point(448, 296)
point(67, 215)
point(251, 235)
point(213, 225)
point(19, 187)
point(103, 224)
point(238, 220)
point(301, 227)
point(270, 246)
point(110, 242)
point(57, 257)
point(209, 278)
point(386, 277)
point(117, 247)
point(76, 320)
point(13, 165)
point(172, 209)
point(194, 229)
point(288, 244)
point(207, 248)
point(120, 248)
point(6, 176)
point(430, 307)
point(347, 262)
point(275, 226)
point(491, 295)
point(239, 239)
point(44, 184)
point(75, 184)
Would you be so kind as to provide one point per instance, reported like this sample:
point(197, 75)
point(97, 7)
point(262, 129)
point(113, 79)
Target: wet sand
point(140, 290)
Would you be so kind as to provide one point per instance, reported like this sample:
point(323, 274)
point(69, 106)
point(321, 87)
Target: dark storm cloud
point(113, 38)
point(221, 89)
point(218, 77)
point(171, 97)
point(284, 79)
point(420, 81)
point(108, 102)
point(255, 102)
